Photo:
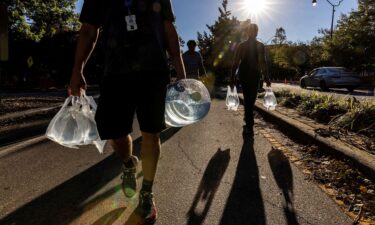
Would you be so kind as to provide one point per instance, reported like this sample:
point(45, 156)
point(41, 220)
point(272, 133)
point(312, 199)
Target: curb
point(30, 112)
point(364, 161)
point(23, 131)
point(17, 132)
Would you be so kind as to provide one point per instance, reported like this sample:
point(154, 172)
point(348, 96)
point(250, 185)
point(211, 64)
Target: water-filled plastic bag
point(269, 100)
point(75, 125)
point(232, 100)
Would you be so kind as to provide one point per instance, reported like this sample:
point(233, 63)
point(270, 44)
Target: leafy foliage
point(218, 46)
point(280, 36)
point(350, 114)
point(37, 19)
point(288, 60)
point(353, 44)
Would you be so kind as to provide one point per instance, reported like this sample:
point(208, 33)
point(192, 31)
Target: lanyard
point(128, 5)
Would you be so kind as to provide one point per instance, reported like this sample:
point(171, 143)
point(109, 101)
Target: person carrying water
point(250, 61)
point(193, 62)
point(136, 35)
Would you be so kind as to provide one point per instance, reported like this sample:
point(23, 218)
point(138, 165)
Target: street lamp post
point(314, 2)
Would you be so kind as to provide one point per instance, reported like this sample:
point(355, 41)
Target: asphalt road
point(33, 167)
point(363, 95)
point(208, 174)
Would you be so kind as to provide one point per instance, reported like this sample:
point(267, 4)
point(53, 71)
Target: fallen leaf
point(363, 189)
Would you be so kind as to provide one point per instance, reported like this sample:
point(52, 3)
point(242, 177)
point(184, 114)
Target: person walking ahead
point(136, 35)
point(250, 60)
point(193, 62)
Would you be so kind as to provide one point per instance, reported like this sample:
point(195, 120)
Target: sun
point(255, 9)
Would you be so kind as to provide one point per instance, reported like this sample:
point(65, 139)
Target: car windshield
point(312, 73)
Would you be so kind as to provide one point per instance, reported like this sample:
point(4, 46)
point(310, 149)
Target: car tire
point(323, 86)
point(350, 89)
point(303, 84)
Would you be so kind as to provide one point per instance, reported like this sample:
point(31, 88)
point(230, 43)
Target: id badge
point(131, 23)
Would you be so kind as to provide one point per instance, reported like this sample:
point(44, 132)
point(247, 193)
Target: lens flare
point(256, 9)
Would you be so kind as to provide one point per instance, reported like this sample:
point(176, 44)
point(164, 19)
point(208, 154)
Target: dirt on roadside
point(17, 104)
point(9, 105)
point(352, 190)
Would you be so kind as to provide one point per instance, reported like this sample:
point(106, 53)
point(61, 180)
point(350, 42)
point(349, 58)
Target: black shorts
point(120, 99)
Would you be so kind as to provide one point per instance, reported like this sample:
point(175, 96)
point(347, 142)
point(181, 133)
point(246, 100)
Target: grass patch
point(322, 108)
point(360, 119)
point(349, 114)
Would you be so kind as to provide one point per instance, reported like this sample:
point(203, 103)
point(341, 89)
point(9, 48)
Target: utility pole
point(314, 2)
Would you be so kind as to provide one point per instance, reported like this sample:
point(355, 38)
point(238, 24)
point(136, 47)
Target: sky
point(299, 18)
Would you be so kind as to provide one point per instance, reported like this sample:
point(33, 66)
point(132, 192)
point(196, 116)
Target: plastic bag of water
point(75, 125)
point(269, 100)
point(188, 101)
point(232, 101)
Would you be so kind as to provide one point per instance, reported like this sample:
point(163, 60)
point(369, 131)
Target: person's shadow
point(282, 172)
point(208, 186)
point(245, 202)
point(206, 191)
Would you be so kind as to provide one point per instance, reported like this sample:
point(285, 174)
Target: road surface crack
point(191, 162)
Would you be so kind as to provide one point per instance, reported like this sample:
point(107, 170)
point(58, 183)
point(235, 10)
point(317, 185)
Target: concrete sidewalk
point(208, 174)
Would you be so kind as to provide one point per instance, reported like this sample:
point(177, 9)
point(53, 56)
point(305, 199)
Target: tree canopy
point(34, 19)
point(219, 44)
point(353, 43)
point(280, 36)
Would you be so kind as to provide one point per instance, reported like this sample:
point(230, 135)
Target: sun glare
point(255, 8)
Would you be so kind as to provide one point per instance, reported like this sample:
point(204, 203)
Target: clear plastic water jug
point(188, 101)
point(269, 100)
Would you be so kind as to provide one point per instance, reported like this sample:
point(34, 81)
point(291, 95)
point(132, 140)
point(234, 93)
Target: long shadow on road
point(282, 172)
point(245, 202)
point(208, 186)
point(61, 205)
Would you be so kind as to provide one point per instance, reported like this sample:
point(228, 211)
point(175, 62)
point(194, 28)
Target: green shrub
point(292, 102)
point(360, 118)
point(309, 102)
point(349, 114)
point(283, 94)
point(326, 111)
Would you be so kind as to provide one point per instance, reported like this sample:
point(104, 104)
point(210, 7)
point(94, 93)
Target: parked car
point(331, 77)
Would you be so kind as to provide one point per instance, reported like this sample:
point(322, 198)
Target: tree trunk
point(4, 42)
point(4, 38)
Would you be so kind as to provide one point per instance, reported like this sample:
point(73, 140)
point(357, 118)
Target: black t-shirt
point(250, 52)
point(131, 52)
